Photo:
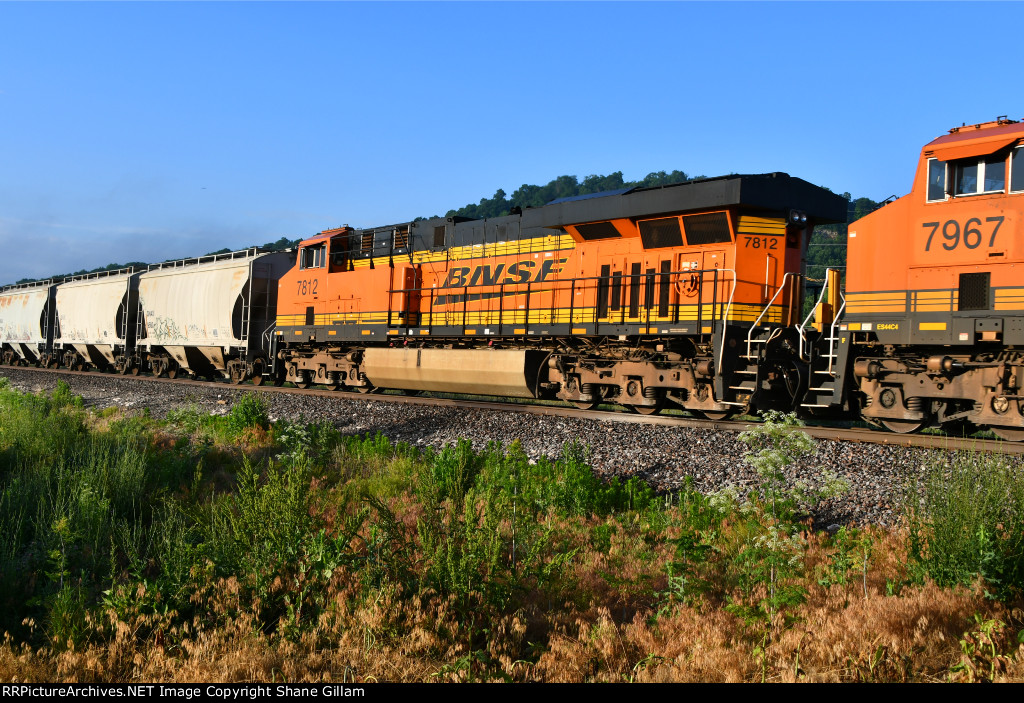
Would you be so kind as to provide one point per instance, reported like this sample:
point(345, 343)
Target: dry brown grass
point(839, 635)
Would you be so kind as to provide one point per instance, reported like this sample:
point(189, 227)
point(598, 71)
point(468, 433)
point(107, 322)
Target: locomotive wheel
point(237, 377)
point(646, 409)
point(717, 416)
point(903, 426)
point(135, 370)
point(1010, 434)
point(257, 380)
point(367, 389)
point(586, 404)
point(302, 380)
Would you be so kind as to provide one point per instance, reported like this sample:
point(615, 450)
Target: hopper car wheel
point(172, 373)
point(904, 426)
point(134, 371)
point(257, 380)
point(1010, 434)
point(367, 389)
point(238, 377)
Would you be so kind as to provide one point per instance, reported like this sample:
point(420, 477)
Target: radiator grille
point(711, 228)
point(598, 230)
point(657, 234)
point(974, 289)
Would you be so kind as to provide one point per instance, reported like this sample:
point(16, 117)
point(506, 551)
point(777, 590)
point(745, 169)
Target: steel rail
point(844, 434)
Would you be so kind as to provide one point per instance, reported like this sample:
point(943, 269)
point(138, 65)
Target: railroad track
point(926, 441)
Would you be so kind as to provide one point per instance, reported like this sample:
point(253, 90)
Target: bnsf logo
point(497, 274)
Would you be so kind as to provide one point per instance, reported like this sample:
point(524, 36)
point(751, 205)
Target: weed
point(251, 410)
point(966, 520)
point(981, 652)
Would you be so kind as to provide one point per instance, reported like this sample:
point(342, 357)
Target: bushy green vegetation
point(966, 522)
point(135, 549)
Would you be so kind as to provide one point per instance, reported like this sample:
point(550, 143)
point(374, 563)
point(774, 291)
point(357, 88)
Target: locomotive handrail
point(270, 339)
point(803, 325)
point(461, 294)
point(764, 312)
point(725, 317)
point(832, 333)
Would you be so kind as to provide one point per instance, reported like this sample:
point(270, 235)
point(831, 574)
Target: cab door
point(311, 284)
point(716, 286)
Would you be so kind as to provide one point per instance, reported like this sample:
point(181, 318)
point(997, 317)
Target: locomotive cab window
point(339, 254)
point(936, 180)
point(1017, 170)
point(972, 176)
point(314, 257)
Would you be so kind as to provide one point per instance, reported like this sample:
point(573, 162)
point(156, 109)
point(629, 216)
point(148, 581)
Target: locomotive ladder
point(828, 377)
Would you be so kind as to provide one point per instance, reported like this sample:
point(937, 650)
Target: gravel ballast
point(663, 456)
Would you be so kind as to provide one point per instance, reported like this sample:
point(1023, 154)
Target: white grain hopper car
point(26, 323)
point(97, 316)
point(211, 316)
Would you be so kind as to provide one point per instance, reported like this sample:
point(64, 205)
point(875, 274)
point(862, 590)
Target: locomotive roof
point(975, 140)
point(771, 191)
point(767, 191)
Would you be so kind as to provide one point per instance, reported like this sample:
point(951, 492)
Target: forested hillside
point(828, 246)
point(562, 187)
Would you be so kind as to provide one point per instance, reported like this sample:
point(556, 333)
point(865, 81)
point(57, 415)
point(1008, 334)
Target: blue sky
point(145, 131)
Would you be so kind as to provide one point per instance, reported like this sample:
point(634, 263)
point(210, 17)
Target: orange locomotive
point(685, 294)
point(933, 329)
